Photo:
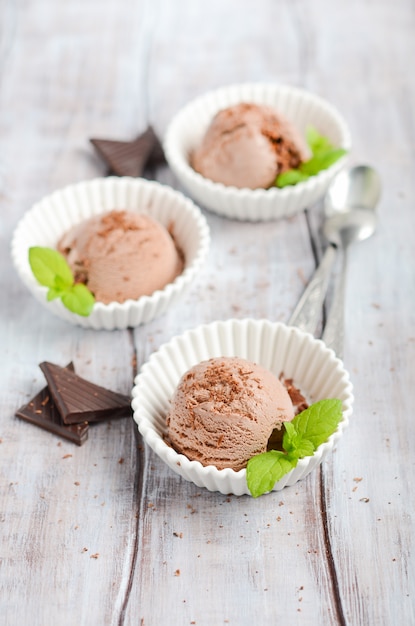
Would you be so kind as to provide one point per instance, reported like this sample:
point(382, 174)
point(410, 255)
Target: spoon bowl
point(343, 229)
point(356, 188)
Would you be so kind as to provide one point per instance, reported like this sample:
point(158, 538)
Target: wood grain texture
point(105, 533)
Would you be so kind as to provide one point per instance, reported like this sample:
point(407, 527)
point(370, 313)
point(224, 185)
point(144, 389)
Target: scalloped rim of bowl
point(67, 206)
point(274, 345)
point(250, 204)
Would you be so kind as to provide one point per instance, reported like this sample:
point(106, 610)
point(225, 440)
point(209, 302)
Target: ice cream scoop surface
point(121, 255)
point(224, 411)
point(248, 145)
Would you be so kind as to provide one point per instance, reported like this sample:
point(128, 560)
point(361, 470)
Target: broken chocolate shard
point(43, 412)
point(130, 158)
point(79, 400)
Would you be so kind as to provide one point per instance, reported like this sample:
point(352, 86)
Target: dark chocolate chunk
point(130, 158)
point(299, 401)
point(79, 400)
point(43, 412)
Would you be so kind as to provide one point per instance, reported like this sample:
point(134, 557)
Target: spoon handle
point(333, 335)
point(308, 310)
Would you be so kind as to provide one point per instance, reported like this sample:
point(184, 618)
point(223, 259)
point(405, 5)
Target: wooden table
point(105, 533)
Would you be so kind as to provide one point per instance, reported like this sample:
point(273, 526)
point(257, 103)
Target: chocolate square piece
point(79, 400)
point(43, 412)
point(130, 158)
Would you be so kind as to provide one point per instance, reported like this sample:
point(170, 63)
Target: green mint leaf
point(321, 161)
point(78, 299)
point(302, 436)
point(319, 421)
point(264, 470)
point(51, 269)
point(317, 143)
point(61, 283)
point(53, 293)
point(48, 264)
point(294, 443)
point(304, 448)
point(324, 154)
point(291, 177)
point(291, 437)
point(58, 289)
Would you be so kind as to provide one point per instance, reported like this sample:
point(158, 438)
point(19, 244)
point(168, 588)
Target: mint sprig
point(302, 436)
point(324, 154)
point(51, 270)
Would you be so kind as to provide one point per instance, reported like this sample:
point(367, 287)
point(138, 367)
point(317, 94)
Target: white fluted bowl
point(315, 369)
point(49, 219)
point(303, 108)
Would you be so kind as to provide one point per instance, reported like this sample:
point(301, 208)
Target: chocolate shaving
point(299, 401)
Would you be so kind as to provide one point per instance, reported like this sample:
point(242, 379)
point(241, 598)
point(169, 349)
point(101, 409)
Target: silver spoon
point(344, 229)
point(349, 209)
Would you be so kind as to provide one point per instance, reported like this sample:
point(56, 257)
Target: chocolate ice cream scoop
point(224, 411)
point(121, 255)
point(248, 145)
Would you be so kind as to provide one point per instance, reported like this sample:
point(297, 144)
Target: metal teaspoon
point(350, 193)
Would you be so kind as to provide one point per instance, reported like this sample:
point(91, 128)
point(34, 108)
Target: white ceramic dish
point(46, 222)
point(280, 348)
point(303, 108)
